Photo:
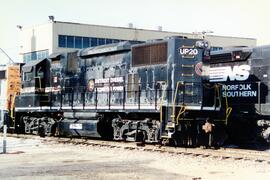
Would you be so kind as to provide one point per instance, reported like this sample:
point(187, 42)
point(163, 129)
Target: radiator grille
point(149, 54)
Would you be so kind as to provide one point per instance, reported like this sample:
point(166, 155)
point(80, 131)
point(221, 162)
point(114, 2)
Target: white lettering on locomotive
point(238, 73)
point(115, 84)
point(239, 90)
point(188, 51)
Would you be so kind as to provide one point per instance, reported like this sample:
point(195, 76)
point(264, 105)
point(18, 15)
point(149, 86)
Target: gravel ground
point(36, 159)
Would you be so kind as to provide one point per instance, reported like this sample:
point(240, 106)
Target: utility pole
point(4, 132)
point(5, 140)
point(2, 114)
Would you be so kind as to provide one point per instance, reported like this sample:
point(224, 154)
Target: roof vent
point(176, 37)
point(153, 40)
point(130, 25)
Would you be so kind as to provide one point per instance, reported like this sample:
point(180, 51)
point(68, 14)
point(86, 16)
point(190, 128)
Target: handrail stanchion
point(124, 97)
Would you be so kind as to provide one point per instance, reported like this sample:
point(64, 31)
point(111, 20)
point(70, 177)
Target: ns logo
point(220, 74)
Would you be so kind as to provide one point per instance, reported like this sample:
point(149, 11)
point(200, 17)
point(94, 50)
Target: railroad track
point(219, 154)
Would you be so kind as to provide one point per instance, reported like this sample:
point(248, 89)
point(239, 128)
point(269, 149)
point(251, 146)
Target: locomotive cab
point(242, 75)
point(35, 78)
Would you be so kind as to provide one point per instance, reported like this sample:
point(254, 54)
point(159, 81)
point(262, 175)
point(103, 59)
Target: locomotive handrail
point(39, 81)
point(181, 111)
point(154, 98)
point(228, 109)
point(218, 94)
point(12, 106)
point(174, 99)
point(155, 102)
point(162, 99)
point(124, 97)
point(259, 97)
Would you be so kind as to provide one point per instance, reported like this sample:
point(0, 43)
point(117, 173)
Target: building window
point(86, 42)
point(78, 42)
point(39, 55)
point(115, 41)
point(42, 54)
point(94, 42)
point(3, 74)
point(101, 41)
point(27, 57)
point(108, 41)
point(70, 41)
point(28, 76)
point(34, 56)
point(62, 41)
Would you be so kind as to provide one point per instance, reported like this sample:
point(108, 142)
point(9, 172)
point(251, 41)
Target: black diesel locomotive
point(168, 90)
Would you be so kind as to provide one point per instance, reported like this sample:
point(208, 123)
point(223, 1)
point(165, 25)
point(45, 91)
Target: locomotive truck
point(171, 91)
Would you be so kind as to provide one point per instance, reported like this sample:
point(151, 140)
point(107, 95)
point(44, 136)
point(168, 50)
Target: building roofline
point(65, 22)
point(150, 30)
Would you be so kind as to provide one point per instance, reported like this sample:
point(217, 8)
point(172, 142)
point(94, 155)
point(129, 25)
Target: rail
point(235, 154)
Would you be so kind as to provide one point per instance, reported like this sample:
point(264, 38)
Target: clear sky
point(243, 18)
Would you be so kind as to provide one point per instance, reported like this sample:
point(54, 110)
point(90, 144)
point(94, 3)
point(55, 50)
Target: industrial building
point(39, 41)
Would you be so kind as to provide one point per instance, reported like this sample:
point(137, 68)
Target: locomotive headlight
point(202, 44)
point(206, 44)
